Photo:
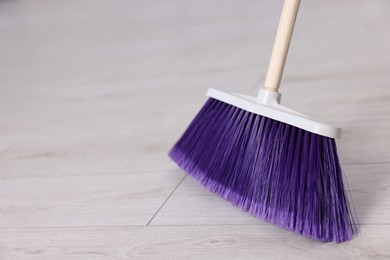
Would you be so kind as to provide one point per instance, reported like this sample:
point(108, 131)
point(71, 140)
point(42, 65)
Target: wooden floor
point(94, 93)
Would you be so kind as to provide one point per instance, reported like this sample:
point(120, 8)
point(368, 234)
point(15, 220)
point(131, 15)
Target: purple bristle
point(275, 171)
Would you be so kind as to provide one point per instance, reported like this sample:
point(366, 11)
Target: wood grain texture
point(186, 242)
point(94, 93)
point(84, 200)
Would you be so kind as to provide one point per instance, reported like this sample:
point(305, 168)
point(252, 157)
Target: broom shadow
point(355, 223)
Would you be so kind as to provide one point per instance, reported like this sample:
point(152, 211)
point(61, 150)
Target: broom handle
point(281, 45)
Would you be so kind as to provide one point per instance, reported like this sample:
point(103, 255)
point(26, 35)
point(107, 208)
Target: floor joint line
point(170, 195)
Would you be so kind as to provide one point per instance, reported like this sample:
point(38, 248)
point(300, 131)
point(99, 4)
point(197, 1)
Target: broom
point(273, 162)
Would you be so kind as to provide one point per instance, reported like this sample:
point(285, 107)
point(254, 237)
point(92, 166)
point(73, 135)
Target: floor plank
point(87, 200)
point(186, 242)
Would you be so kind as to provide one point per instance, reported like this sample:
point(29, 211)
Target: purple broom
point(273, 162)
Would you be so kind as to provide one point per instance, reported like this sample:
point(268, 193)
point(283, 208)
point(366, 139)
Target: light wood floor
point(93, 94)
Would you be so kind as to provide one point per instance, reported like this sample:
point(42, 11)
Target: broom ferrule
point(281, 45)
point(268, 97)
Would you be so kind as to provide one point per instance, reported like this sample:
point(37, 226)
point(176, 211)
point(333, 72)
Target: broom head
point(269, 161)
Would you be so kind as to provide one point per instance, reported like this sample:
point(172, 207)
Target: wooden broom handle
point(281, 45)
